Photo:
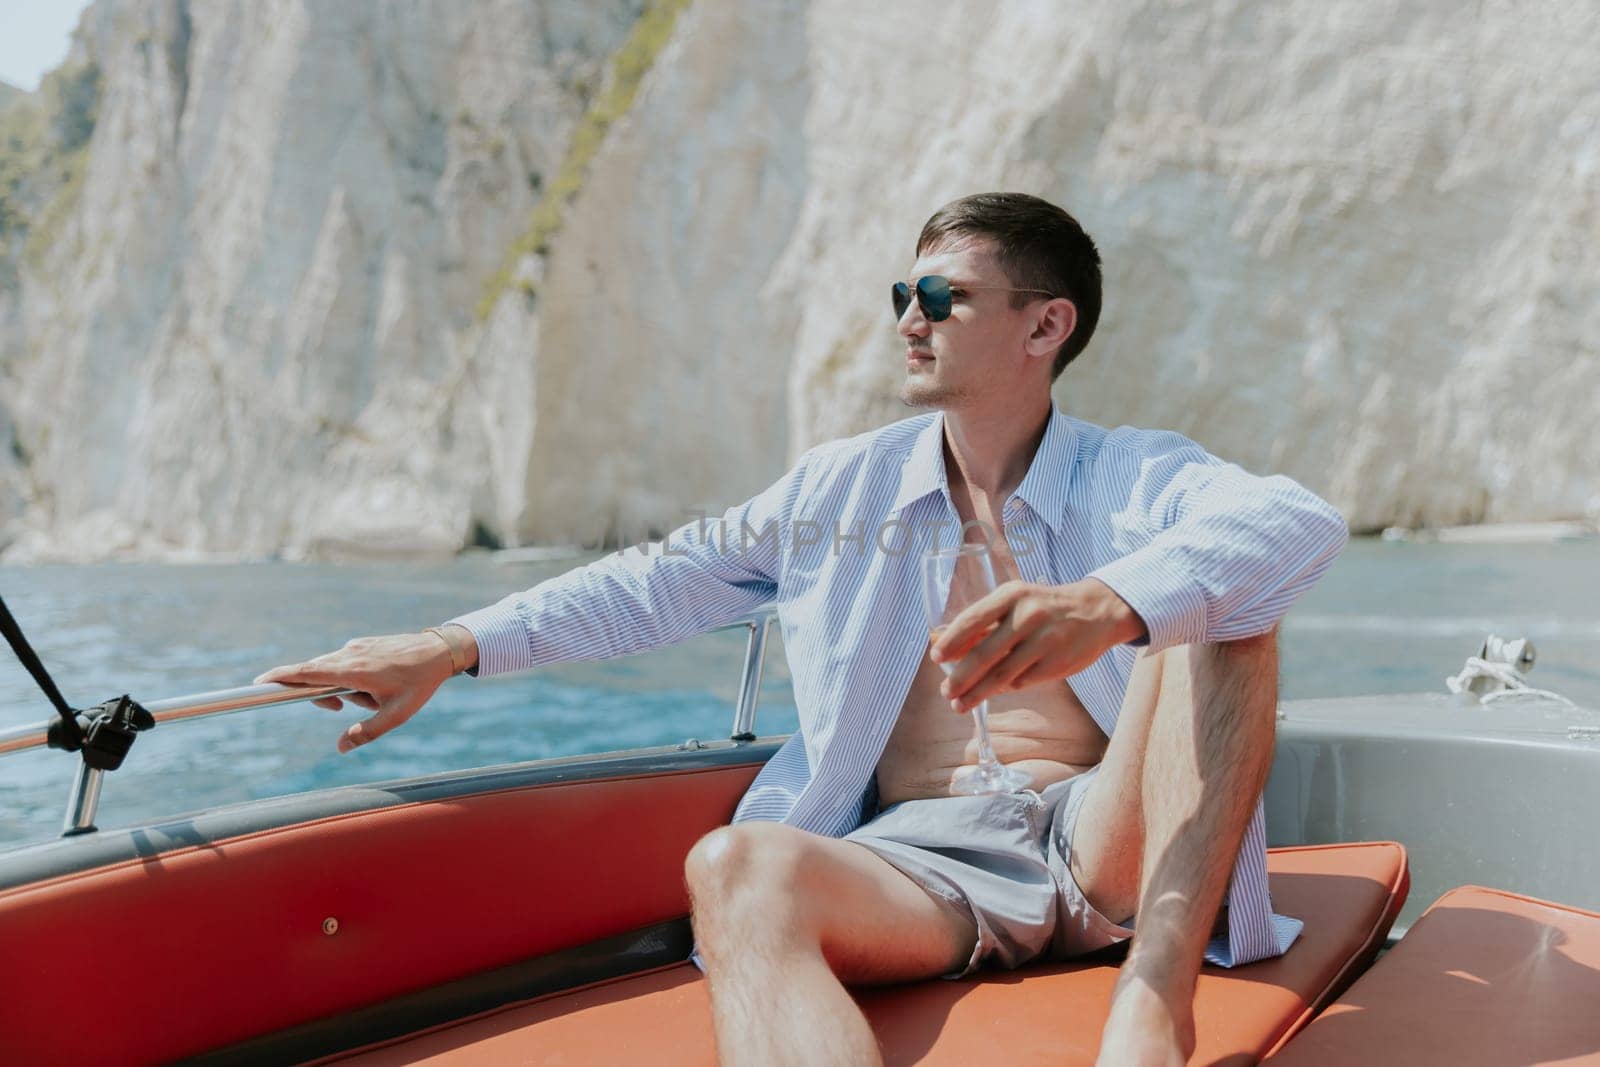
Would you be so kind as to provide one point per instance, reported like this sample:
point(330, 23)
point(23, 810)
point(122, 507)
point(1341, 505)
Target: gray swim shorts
point(1002, 860)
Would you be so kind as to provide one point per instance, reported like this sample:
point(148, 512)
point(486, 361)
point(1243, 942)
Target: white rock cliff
point(1359, 244)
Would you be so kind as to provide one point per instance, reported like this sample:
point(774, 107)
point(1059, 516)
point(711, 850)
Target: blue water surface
point(1389, 617)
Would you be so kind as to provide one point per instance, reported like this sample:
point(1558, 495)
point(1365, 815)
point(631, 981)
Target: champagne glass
point(967, 572)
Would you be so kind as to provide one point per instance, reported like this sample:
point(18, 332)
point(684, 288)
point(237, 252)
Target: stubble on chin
point(920, 393)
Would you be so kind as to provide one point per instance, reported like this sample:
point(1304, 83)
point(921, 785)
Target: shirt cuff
point(1284, 931)
point(502, 639)
point(1172, 605)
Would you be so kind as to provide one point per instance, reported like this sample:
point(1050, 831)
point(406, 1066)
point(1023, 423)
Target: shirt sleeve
point(704, 574)
point(1209, 552)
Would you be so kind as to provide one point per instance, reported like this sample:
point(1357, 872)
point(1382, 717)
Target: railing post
point(755, 655)
point(83, 801)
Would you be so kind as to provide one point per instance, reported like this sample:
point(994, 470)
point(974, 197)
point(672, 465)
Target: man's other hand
point(393, 676)
point(1023, 634)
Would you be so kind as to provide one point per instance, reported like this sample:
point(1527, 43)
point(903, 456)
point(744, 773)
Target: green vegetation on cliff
point(628, 67)
point(44, 144)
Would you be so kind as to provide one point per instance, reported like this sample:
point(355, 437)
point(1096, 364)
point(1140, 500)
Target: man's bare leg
point(1162, 824)
point(783, 918)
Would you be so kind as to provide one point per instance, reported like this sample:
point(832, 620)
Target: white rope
point(1506, 675)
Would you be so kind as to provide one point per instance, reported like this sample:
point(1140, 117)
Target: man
point(848, 860)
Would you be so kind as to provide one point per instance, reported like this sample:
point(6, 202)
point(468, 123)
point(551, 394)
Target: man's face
point(978, 350)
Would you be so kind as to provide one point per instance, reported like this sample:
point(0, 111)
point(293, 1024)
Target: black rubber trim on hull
point(611, 957)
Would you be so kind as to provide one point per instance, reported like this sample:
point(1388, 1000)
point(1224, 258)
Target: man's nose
point(913, 323)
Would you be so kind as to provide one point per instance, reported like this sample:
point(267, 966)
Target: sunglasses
point(934, 296)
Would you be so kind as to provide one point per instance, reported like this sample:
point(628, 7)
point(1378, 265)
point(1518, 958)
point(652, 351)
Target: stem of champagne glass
point(986, 756)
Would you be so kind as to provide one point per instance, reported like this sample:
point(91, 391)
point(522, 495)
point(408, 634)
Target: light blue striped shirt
point(1201, 549)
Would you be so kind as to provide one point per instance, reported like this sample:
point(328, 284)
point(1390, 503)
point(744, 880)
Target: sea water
point(1387, 618)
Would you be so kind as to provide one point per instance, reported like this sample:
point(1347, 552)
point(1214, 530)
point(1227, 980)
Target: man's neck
point(990, 451)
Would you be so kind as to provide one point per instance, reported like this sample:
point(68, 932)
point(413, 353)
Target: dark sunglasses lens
point(902, 300)
point(933, 293)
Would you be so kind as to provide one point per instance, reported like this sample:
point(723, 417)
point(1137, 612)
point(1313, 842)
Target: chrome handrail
point(196, 706)
point(84, 799)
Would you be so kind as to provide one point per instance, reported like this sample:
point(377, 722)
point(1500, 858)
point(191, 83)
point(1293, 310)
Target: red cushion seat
point(1348, 896)
point(1484, 976)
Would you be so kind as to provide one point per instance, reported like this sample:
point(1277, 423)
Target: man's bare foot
point(1143, 1030)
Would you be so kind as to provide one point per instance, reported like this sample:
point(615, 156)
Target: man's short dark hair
point(1038, 245)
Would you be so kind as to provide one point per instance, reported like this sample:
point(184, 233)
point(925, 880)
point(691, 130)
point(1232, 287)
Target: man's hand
point(1023, 634)
point(393, 676)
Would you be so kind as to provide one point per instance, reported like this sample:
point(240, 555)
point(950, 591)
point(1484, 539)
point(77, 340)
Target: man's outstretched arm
point(704, 574)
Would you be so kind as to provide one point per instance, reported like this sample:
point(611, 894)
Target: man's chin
point(922, 394)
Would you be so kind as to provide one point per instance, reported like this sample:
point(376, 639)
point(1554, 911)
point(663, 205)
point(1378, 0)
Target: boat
point(1439, 847)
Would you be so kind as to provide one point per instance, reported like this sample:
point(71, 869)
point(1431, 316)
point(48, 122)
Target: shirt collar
point(923, 472)
point(1043, 488)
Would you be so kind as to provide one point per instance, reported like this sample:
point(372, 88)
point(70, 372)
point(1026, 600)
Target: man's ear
point(1054, 325)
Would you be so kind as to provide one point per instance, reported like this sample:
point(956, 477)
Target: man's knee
point(747, 863)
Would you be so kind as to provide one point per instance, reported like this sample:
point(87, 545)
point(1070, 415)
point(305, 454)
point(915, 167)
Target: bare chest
point(1044, 730)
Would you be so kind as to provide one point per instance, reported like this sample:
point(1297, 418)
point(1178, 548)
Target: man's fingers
point(981, 659)
point(390, 676)
point(360, 699)
point(361, 733)
point(1006, 676)
point(364, 700)
point(353, 737)
point(277, 674)
point(1038, 672)
point(370, 729)
point(314, 673)
point(323, 671)
point(970, 624)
